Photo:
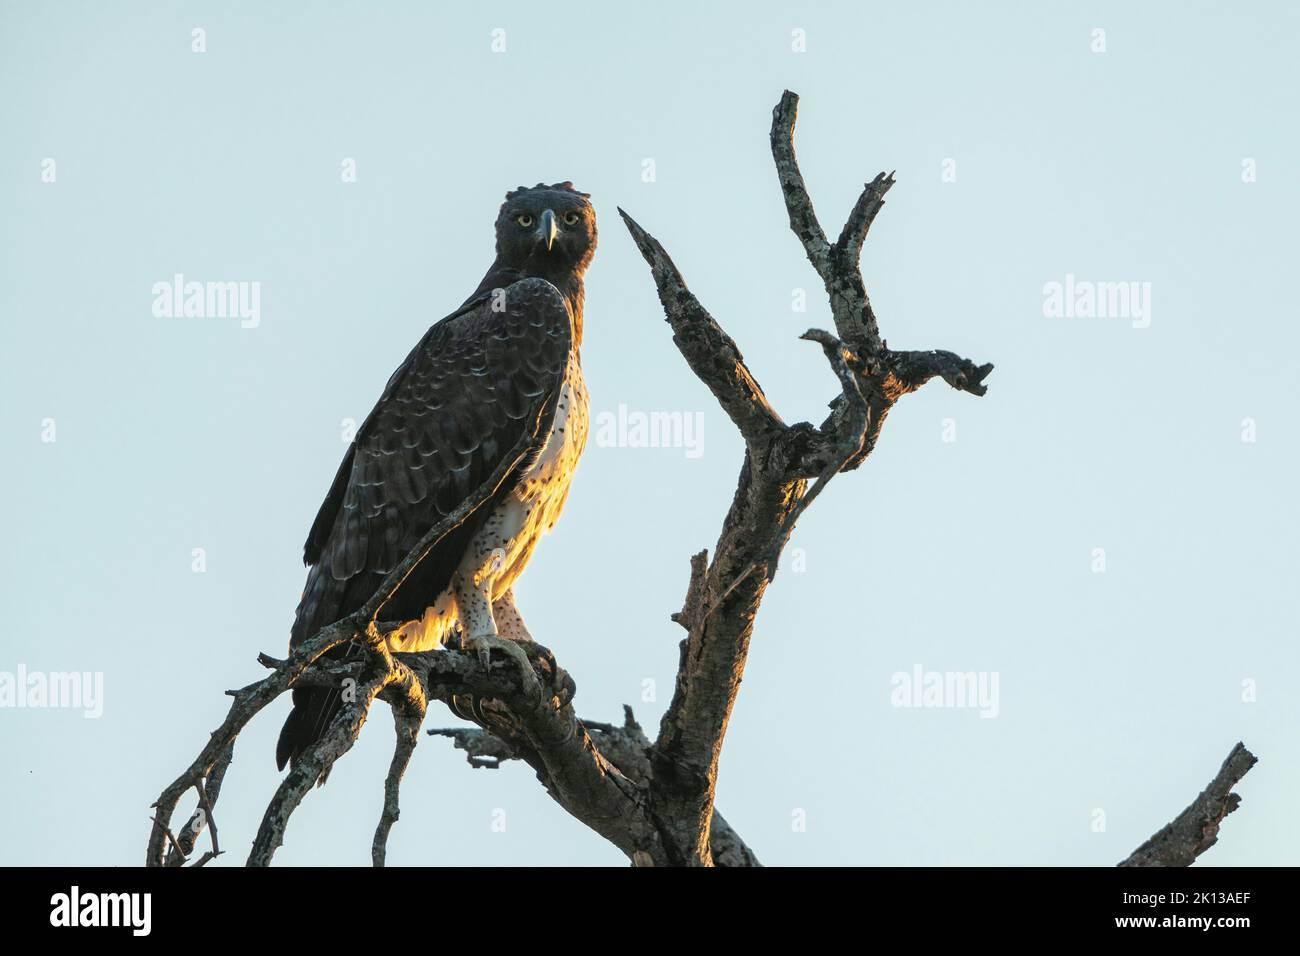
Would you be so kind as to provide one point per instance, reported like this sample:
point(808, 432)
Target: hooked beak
point(547, 229)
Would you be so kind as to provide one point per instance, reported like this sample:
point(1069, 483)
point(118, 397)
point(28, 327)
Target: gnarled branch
point(772, 491)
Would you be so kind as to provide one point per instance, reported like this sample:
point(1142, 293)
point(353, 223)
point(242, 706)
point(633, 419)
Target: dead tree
point(653, 799)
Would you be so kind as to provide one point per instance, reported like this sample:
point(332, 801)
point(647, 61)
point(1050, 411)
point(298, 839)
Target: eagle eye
point(525, 220)
point(570, 218)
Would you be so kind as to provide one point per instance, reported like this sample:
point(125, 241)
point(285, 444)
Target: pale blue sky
point(1120, 691)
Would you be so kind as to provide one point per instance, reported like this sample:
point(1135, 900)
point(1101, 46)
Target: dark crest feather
point(566, 186)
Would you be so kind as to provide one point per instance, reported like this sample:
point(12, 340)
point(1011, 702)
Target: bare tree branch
point(914, 369)
point(772, 491)
point(250, 700)
point(535, 720)
point(849, 245)
point(379, 671)
point(798, 204)
point(710, 352)
point(1196, 829)
point(209, 791)
point(409, 708)
point(855, 321)
point(625, 745)
point(483, 751)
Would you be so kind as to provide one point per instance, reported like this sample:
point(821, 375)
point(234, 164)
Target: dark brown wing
point(318, 537)
point(481, 385)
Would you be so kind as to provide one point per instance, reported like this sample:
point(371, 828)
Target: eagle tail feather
point(313, 710)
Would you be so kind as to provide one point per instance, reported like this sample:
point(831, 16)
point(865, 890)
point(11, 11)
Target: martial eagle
point(499, 375)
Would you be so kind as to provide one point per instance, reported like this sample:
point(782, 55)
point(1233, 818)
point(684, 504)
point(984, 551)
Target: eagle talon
point(482, 646)
point(485, 644)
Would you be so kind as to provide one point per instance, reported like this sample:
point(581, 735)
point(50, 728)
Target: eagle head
point(546, 231)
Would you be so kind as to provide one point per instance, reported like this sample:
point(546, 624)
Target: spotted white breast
point(501, 548)
point(536, 503)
